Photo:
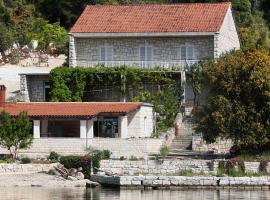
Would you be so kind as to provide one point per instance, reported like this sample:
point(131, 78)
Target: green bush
point(71, 161)
point(186, 173)
point(164, 151)
point(54, 157)
point(7, 160)
point(133, 158)
point(26, 160)
point(97, 156)
point(122, 158)
point(86, 165)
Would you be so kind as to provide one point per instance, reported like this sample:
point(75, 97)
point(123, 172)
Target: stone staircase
point(181, 146)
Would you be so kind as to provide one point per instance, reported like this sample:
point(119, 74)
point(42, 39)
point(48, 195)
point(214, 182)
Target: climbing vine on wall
point(132, 83)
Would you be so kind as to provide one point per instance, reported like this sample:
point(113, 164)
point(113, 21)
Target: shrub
point(97, 156)
point(122, 158)
point(54, 157)
point(164, 151)
point(221, 168)
point(26, 160)
point(185, 173)
point(86, 165)
point(7, 160)
point(71, 161)
point(133, 158)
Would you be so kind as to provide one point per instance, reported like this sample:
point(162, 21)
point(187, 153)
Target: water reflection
point(20, 193)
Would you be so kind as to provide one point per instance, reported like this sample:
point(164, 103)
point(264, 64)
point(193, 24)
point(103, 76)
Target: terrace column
point(123, 126)
point(83, 128)
point(36, 129)
point(90, 128)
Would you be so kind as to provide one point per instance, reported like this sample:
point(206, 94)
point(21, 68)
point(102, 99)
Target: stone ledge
point(168, 182)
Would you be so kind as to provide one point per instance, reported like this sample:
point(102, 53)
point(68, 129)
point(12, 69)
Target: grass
point(254, 157)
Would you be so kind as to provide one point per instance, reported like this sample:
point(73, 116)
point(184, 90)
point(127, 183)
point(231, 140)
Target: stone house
point(145, 36)
point(71, 127)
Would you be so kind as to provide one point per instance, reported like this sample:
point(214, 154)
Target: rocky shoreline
point(39, 180)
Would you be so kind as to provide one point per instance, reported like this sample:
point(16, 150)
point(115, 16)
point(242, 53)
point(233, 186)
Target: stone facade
point(139, 147)
point(26, 168)
point(32, 86)
point(127, 167)
point(227, 39)
point(220, 146)
point(165, 50)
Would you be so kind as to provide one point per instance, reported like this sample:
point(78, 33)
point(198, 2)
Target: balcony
point(182, 64)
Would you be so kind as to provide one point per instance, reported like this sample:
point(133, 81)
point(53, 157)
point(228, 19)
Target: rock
point(71, 178)
point(79, 175)
point(54, 172)
point(91, 183)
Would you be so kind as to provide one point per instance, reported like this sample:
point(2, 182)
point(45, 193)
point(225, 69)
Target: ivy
point(74, 84)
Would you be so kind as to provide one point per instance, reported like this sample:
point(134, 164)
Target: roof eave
point(140, 34)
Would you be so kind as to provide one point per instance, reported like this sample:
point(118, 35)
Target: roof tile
point(192, 17)
point(69, 109)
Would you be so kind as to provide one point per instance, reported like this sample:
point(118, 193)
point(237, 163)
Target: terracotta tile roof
point(69, 109)
point(191, 17)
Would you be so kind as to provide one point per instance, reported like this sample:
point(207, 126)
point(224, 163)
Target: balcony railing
point(182, 64)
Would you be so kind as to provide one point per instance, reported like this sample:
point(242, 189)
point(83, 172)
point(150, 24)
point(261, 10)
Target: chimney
point(2, 95)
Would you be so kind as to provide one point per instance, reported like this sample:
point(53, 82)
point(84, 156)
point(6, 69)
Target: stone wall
point(157, 166)
point(32, 87)
point(26, 168)
point(139, 147)
point(170, 182)
point(128, 49)
point(220, 146)
point(227, 39)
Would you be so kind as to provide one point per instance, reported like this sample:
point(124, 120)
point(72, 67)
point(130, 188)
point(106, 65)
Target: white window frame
point(187, 46)
point(106, 47)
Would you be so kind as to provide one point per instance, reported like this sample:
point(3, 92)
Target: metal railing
point(143, 64)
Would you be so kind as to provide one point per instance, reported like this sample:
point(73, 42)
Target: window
point(47, 90)
point(187, 52)
point(106, 53)
point(146, 53)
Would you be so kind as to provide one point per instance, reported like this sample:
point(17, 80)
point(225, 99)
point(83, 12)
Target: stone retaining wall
point(127, 167)
point(26, 168)
point(220, 146)
point(157, 166)
point(168, 182)
point(139, 147)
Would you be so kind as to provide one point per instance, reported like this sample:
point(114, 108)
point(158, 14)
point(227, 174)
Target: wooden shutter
point(183, 52)
point(190, 53)
point(102, 53)
point(142, 53)
point(109, 56)
point(149, 54)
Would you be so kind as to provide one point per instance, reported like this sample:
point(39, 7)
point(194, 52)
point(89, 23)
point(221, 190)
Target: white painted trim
point(36, 129)
point(123, 126)
point(83, 129)
point(90, 128)
point(146, 34)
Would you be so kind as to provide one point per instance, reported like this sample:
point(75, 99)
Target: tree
point(239, 105)
point(15, 132)
point(5, 39)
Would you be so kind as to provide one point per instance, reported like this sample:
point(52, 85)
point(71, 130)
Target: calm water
point(18, 193)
